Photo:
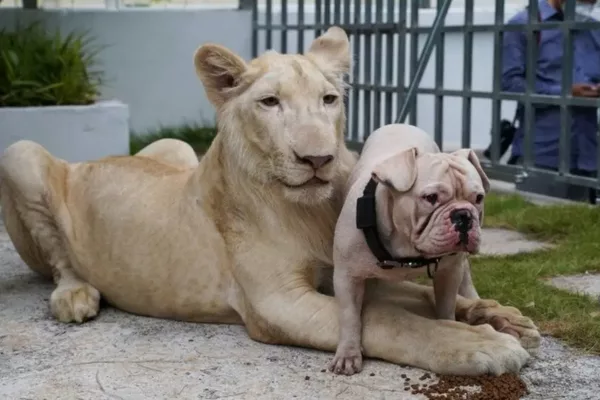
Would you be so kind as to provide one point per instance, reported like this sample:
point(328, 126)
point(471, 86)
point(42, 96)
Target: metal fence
point(385, 92)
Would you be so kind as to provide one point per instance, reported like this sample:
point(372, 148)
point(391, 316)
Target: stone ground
point(122, 356)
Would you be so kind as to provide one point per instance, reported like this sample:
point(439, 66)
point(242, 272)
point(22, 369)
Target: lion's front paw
point(347, 360)
point(77, 302)
point(483, 351)
point(506, 320)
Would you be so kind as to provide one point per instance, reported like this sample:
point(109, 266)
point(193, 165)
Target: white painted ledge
point(73, 133)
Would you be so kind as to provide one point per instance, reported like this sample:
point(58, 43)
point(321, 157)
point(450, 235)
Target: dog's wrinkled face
point(436, 201)
point(287, 110)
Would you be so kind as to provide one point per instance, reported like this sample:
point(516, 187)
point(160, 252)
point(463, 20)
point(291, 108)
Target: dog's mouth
point(315, 181)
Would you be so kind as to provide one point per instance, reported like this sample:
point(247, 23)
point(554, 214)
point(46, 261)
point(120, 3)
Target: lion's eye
point(270, 101)
point(329, 98)
point(431, 198)
point(479, 199)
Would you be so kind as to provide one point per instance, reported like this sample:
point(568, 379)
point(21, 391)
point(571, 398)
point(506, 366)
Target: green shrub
point(38, 68)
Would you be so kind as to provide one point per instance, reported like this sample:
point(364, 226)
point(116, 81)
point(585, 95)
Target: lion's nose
point(462, 219)
point(315, 161)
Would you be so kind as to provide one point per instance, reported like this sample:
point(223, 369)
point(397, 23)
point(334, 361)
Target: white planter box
point(73, 133)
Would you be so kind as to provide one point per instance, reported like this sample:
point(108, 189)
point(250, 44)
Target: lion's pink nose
point(315, 161)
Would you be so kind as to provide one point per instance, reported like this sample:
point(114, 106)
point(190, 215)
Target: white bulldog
point(409, 209)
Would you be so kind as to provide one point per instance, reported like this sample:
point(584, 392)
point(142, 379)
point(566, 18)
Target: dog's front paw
point(506, 320)
point(75, 303)
point(347, 360)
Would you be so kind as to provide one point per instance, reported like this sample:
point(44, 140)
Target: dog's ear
point(331, 51)
point(398, 172)
point(219, 69)
point(473, 159)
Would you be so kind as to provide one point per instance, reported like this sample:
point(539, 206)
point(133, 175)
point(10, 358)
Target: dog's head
point(435, 201)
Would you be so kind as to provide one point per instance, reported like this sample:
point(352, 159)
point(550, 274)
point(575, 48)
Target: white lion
point(245, 236)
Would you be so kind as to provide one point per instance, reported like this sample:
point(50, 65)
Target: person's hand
point(585, 90)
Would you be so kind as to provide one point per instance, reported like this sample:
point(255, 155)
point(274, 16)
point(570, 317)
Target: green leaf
point(40, 67)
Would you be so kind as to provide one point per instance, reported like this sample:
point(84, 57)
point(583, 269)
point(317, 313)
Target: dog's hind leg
point(31, 193)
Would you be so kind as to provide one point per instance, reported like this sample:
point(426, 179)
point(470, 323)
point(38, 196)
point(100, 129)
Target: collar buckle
point(389, 264)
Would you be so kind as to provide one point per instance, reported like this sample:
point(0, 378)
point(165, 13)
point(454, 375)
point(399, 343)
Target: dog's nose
point(462, 219)
point(315, 161)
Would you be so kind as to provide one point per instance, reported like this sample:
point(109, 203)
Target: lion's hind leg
point(171, 151)
point(31, 183)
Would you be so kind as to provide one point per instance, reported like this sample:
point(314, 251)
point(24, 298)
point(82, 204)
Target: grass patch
point(199, 137)
point(516, 280)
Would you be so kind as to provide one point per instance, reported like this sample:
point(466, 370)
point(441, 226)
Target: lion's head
point(282, 115)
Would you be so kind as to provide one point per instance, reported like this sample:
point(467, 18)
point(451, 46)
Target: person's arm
point(514, 61)
point(594, 65)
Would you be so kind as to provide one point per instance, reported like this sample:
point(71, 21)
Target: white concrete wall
point(73, 133)
point(148, 57)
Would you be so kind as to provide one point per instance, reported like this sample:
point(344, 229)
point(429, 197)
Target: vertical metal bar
point(467, 74)
point(433, 36)
point(414, 60)
point(337, 11)
point(389, 61)
point(439, 84)
point(254, 28)
point(368, 57)
point(378, 64)
point(327, 4)
point(30, 4)
point(284, 28)
point(346, 12)
point(349, 111)
point(318, 16)
point(356, 72)
point(530, 75)
point(269, 24)
point(401, 54)
point(497, 88)
point(564, 144)
point(300, 26)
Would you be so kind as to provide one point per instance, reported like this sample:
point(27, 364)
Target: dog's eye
point(431, 198)
point(270, 101)
point(479, 199)
point(329, 98)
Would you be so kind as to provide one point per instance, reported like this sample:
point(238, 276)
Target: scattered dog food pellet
point(307, 378)
point(503, 387)
point(425, 376)
point(322, 370)
point(371, 374)
point(403, 376)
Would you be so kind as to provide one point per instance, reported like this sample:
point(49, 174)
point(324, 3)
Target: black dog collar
point(366, 220)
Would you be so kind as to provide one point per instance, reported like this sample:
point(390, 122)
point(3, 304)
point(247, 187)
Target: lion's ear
point(219, 69)
point(331, 51)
